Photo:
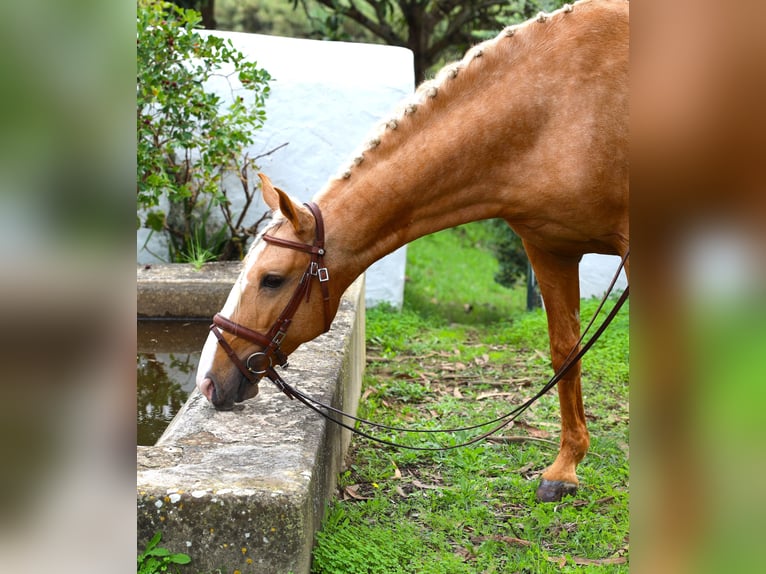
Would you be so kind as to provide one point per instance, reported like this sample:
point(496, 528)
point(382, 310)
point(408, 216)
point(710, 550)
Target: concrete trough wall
point(246, 489)
point(180, 291)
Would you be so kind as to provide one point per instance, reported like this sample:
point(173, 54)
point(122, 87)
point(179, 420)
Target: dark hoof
point(554, 490)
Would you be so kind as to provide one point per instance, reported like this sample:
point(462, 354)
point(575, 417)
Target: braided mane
point(449, 80)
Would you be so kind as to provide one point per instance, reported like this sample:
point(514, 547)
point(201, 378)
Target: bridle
point(262, 363)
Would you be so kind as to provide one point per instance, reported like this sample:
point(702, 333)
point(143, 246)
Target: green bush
point(187, 140)
point(510, 254)
point(155, 559)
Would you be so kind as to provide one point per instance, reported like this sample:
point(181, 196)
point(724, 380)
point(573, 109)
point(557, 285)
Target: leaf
point(561, 561)
point(525, 469)
point(180, 558)
point(465, 554)
point(154, 541)
point(155, 220)
point(352, 491)
point(421, 485)
point(533, 431)
point(159, 552)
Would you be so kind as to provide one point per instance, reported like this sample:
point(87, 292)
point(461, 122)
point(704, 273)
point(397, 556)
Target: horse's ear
point(276, 199)
point(270, 193)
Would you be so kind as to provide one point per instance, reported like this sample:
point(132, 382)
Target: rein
point(503, 420)
point(262, 363)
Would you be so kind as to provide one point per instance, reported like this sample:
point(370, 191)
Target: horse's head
point(280, 277)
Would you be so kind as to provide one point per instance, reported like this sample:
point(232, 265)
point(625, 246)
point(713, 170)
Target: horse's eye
point(272, 281)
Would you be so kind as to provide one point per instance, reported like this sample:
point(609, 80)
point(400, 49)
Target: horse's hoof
point(554, 490)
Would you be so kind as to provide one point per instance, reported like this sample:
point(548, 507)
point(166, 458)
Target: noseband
point(262, 363)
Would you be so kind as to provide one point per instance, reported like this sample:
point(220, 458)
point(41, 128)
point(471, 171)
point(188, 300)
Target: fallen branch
point(483, 396)
point(579, 503)
point(516, 439)
point(499, 538)
point(562, 560)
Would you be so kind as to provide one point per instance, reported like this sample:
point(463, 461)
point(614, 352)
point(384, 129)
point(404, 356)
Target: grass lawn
point(462, 351)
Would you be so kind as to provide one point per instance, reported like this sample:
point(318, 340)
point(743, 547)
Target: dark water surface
point(166, 361)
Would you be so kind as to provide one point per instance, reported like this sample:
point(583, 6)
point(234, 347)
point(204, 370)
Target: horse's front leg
point(558, 278)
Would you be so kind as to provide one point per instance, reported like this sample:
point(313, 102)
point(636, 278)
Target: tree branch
point(271, 151)
point(380, 29)
point(467, 13)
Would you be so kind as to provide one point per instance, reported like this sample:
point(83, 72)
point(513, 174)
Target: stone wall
point(246, 489)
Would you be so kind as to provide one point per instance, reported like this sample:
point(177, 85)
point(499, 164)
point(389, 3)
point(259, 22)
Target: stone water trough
point(245, 490)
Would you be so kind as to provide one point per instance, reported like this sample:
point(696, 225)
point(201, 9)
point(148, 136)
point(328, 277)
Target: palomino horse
point(531, 127)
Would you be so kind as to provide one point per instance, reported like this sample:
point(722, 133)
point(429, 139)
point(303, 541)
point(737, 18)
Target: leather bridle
point(262, 363)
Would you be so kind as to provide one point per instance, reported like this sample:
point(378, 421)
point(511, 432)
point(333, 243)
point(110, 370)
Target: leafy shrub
point(156, 559)
point(187, 141)
point(507, 247)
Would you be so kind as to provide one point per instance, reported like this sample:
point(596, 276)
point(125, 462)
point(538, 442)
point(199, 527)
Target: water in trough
point(166, 364)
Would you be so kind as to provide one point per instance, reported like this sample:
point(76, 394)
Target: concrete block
point(179, 290)
point(246, 489)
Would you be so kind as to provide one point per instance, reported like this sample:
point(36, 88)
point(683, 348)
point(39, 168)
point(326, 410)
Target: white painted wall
point(325, 98)
point(596, 272)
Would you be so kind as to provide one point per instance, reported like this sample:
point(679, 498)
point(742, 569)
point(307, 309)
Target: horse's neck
point(488, 138)
point(371, 217)
point(425, 175)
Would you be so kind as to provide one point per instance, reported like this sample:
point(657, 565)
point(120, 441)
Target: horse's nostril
point(207, 388)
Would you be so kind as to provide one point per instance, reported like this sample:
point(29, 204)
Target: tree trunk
point(207, 9)
point(417, 40)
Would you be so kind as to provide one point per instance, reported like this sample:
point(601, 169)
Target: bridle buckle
point(261, 356)
point(320, 272)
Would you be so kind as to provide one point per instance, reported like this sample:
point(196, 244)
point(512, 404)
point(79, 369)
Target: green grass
point(451, 278)
point(463, 350)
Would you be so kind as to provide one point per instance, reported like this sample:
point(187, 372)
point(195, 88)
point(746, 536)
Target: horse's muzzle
point(222, 400)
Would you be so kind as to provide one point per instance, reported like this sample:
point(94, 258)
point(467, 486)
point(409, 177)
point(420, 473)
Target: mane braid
point(430, 89)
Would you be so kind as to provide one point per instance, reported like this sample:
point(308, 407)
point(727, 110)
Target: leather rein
point(262, 363)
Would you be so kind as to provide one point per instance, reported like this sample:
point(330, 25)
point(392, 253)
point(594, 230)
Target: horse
point(530, 126)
